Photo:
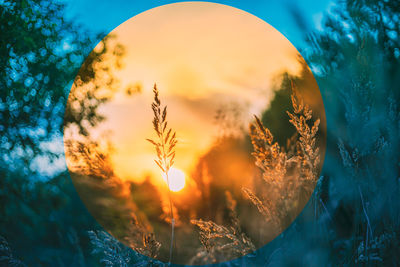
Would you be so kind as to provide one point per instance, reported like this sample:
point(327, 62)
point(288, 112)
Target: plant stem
point(171, 212)
point(165, 155)
point(172, 220)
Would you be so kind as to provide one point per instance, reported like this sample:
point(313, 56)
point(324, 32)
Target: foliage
point(362, 72)
point(40, 53)
point(353, 214)
point(89, 158)
point(276, 114)
point(220, 242)
point(290, 175)
point(290, 178)
point(114, 253)
point(94, 85)
point(6, 256)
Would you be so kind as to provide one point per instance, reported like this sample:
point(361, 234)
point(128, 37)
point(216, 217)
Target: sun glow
point(221, 67)
point(176, 179)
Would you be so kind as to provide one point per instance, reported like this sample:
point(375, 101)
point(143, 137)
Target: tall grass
point(289, 173)
point(165, 149)
point(222, 242)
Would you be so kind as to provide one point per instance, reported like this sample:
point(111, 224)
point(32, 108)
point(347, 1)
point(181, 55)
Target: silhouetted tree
point(41, 52)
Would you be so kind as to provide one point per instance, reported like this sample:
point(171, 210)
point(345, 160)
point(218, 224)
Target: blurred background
point(352, 47)
point(213, 81)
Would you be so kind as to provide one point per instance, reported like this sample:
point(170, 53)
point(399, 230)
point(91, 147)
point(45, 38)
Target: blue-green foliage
point(113, 253)
point(353, 217)
point(6, 256)
point(42, 217)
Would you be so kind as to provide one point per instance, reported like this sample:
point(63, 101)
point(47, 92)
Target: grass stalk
point(165, 148)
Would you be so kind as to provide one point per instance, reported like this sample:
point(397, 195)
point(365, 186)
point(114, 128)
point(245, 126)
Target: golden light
point(176, 179)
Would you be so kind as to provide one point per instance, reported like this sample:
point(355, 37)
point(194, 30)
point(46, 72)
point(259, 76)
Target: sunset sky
point(202, 56)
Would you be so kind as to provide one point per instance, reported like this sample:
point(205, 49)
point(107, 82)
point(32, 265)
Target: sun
point(176, 179)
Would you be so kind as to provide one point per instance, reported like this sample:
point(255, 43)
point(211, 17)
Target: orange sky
point(201, 55)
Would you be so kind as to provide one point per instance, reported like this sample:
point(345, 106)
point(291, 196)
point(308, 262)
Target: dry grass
point(290, 173)
point(89, 158)
point(166, 138)
point(107, 195)
point(220, 242)
point(165, 149)
point(141, 240)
